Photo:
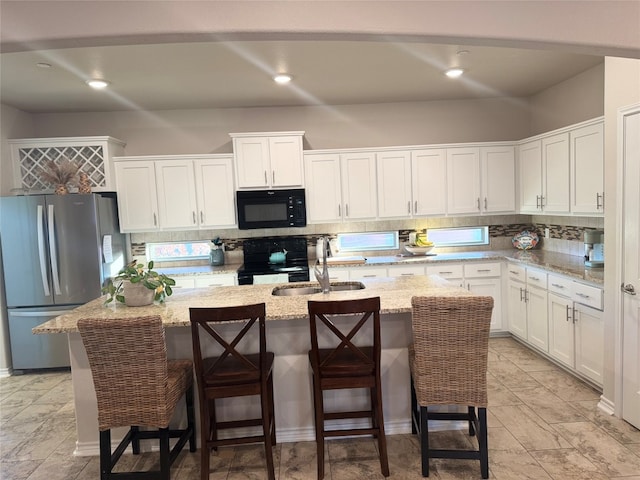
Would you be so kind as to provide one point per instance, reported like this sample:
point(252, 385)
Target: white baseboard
point(606, 405)
point(5, 372)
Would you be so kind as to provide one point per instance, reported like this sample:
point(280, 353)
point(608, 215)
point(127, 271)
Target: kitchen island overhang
point(287, 337)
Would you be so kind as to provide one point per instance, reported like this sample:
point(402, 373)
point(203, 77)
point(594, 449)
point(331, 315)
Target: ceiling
point(238, 74)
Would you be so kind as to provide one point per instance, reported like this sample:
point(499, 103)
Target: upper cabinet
point(429, 181)
point(481, 180)
point(587, 169)
point(268, 160)
point(562, 172)
point(394, 184)
point(93, 155)
point(175, 192)
point(340, 186)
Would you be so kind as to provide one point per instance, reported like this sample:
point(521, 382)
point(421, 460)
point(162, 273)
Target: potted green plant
point(137, 285)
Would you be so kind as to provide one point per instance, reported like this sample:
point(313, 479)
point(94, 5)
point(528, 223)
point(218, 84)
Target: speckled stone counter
point(395, 297)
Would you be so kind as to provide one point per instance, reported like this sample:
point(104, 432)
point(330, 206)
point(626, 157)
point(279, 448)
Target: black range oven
point(265, 261)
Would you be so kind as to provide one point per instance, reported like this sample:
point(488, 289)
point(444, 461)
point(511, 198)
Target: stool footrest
point(345, 415)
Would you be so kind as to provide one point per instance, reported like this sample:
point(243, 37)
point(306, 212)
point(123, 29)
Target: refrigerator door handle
point(41, 252)
point(52, 253)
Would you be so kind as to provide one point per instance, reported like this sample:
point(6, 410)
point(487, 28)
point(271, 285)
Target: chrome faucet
point(323, 277)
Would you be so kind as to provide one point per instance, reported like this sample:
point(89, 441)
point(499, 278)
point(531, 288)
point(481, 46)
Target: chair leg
point(165, 464)
point(414, 408)
point(135, 440)
point(424, 440)
point(471, 411)
point(205, 435)
point(318, 407)
point(382, 439)
point(265, 400)
point(273, 412)
point(482, 442)
point(191, 418)
point(105, 454)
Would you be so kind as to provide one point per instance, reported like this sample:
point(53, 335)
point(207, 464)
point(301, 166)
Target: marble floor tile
point(543, 424)
point(549, 406)
point(611, 457)
point(567, 464)
point(529, 429)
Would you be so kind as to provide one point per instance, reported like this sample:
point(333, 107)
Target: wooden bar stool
point(448, 363)
point(232, 374)
point(341, 363)
point(136, 386)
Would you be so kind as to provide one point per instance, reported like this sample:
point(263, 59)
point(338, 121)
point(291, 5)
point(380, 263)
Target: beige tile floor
point(543, 424)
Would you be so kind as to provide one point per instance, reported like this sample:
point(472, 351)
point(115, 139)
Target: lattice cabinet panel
point(93, 155)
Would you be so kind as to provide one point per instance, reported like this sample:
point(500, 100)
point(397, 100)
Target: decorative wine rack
point(93, 156)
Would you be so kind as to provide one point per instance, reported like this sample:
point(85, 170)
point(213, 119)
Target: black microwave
point(271, 208)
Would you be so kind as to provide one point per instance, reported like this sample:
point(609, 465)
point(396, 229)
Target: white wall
point(622, 88)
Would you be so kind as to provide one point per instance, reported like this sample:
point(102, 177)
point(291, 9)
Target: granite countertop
point(395, 297)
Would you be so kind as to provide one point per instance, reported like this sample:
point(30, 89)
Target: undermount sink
point(305, 289)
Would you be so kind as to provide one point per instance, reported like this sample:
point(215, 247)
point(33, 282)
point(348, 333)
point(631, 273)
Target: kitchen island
point(287, 337)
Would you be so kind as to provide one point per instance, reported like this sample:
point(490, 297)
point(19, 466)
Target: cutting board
point(352, 260)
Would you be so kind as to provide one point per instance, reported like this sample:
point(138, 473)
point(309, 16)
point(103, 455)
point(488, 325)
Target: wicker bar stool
point(346, 365)
point(448, 363)
point(232, 374)
point(136, 386)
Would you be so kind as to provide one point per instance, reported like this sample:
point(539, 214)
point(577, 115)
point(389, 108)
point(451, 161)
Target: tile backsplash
point(565, 233)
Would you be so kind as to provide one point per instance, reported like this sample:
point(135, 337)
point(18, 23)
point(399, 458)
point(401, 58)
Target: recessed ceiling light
point(97, 83)
point(282, 78)
point(43, 65)
point(454, 72)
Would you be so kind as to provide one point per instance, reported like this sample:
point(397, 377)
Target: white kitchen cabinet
point(177, 206)
point(359, 189)
point(498, 173)
point(335, 274)
point(485, 279)
point(394, 184)
point(530, 162)
point(137, 196)
point(527, 305)
point(555, 170)
point(406, 270)
point(184, 192)
point(463, 180)
point(454, 272)
point(203, 281)
point(215, 192)
point(340, 187)
point(429, 182)
point(587, 169)
point(268, 160)
point(576, 329)
point(184, 281)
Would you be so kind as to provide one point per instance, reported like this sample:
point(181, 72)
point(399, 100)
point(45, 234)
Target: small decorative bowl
point(525, 240)
point(415, 250)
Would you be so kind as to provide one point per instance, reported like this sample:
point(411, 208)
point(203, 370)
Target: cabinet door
point(555, 158)
point(285, 157)
point(587, 169)
point(394, 184)
point(498, 179)
point(517, 309)
point(429, 182)
point(490, 287)
point(323, 191)
point(530, 162)
point(589, 331)
point(176, 194)
point(184, 281)
point(215, 192)
point(463, 180)
point(359, 185)
point(137, 196)
point(338, 274)
point(561, 339)
point(537, 318)
point(252, 162)
point(218, 280)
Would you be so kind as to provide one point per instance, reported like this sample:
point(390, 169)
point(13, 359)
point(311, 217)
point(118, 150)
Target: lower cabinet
point(203, 281)
point(576, 330)
point(527, 305)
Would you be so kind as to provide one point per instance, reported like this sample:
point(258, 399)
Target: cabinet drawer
point(560, 285)
point(587, 295)
point(220, 280)
point(367, 272)
point(537, 278)
point(336, 274)
point(406, 271)
point(480, 270)
point(516, 272)
point(446, 271)
point(184, 282)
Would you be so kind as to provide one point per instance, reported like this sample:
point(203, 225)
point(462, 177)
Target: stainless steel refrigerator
point(57, 252)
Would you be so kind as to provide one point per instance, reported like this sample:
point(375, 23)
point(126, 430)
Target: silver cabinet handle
point(535, 279)
point(273, 177)
point(628, 289)
point(155, 220)
point(346, 208)
point(445, 273)
point(194, 217)
point(557, 285)
point(407, 274)
point(370, 276)
point(483, 270)
point(575, 314)
point(485, 203)
point(514, 272)
point(415, 206)
point(537, 201)
point(541, 201)
point(265, 177)
point(526, 296)
point(582, 295)
point(599, 201)
point(409, 207)
point(521, 299)
point(201, 216)
point(478, 203)
point(568, 316)
point(339, 210)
